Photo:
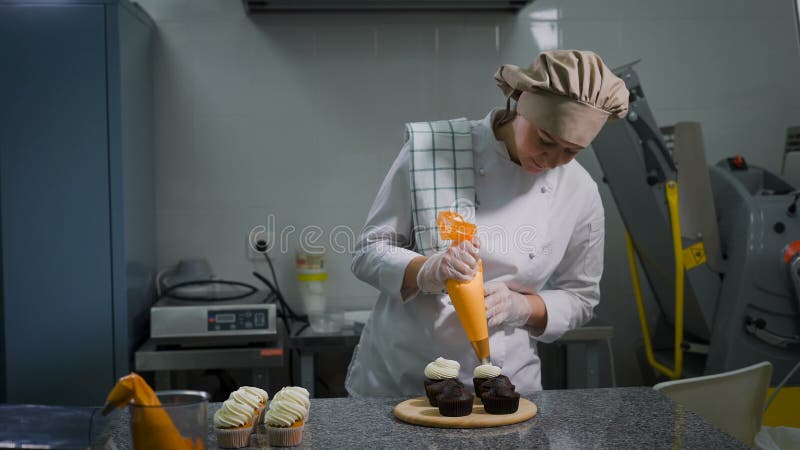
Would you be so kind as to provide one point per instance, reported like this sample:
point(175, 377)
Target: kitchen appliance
point(193, 279)
point(213, 322)
point(714, 259)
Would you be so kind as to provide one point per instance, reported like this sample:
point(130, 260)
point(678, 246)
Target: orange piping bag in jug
point(151, 426)
point(467, 296)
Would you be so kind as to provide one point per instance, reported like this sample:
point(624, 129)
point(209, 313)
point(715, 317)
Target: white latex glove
point(504, 306)
point(459, 262)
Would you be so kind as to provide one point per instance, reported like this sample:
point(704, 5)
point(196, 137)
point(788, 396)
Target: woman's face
point(537, 150)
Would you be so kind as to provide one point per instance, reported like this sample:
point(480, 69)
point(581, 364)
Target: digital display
point(226, 318)
point(237, 321)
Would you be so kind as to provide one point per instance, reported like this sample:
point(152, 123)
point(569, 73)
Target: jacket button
point(544, 190)
point(481, 171)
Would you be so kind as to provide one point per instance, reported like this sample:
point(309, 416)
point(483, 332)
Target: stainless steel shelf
point(150, 358)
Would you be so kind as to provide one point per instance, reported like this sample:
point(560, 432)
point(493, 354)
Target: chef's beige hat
point(568, 93)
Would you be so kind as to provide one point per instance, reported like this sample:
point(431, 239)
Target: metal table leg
point(576, 365)
point(307, 371)
point(592, 364)
point(583, 355)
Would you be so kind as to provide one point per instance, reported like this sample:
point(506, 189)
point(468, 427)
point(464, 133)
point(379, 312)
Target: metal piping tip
point(485, 360)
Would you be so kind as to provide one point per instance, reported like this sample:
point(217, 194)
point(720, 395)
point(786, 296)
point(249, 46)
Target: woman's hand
point(507, 307)
point(459, 262)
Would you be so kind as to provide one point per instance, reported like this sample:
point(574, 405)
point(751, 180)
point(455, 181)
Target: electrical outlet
point(259, 241)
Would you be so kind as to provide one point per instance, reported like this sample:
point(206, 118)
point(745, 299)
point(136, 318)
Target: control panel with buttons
point(240, 319)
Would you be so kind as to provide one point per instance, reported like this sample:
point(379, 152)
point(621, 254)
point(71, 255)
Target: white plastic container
point(311, 284)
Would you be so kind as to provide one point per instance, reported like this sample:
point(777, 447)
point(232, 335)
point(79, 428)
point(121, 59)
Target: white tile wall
point(300, 116)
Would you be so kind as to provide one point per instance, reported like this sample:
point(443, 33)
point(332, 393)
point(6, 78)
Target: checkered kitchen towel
point(442, 177)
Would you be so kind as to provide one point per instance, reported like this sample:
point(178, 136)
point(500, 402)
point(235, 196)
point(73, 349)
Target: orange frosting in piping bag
point(152, 428)
point(467, 296)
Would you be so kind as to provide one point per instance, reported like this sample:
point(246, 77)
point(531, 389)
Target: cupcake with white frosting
point(437, 372)
point(233, 424)
point(246, 398)
point(297, 395)
point(285, 420)
point(483, 373)
point(262, 397)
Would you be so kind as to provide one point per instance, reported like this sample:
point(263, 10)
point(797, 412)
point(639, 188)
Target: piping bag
point(152, 428)
point(467, 296)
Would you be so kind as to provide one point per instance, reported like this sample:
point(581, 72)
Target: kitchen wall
point(300, 116)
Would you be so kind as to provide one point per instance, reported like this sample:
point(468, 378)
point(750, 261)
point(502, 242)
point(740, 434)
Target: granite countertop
point(636, 417)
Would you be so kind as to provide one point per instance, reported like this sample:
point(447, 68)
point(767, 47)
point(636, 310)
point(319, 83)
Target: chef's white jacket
point(539, 233)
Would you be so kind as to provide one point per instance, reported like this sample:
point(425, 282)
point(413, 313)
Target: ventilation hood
point(267, 6)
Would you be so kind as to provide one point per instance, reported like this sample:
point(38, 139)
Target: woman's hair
point(505, 116)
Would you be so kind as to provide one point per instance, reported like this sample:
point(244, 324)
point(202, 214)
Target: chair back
point(732, 401)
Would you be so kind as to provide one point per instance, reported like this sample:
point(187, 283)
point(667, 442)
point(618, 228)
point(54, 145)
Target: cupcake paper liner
point(500, 405)
point(455, 407)
point(234, 437)
point(285, 437)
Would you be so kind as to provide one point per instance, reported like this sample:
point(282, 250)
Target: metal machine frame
point(714, 261)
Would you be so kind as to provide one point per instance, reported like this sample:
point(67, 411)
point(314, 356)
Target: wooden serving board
point(418, 411)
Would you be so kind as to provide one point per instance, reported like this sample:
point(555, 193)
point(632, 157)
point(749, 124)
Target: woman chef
point(543, 252)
